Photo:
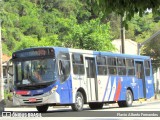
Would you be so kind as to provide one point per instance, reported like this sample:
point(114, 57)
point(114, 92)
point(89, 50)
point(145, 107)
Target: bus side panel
point(113, 89)
point(78, 81)
point(129, 83)
point(107, 90)
point(123, 83)
point(149, 87)
point(140, 88)
point(65, 91)
point(120, 90)
point(135, 88)
point(116, 87)
point(102, 82)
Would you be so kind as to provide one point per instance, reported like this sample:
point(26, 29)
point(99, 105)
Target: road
point(138, 111)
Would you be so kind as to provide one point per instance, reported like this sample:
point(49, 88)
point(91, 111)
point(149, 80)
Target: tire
point(79, 102)
point(42, 109)
point(121, 103)
point(96, 105)
point(129, 100)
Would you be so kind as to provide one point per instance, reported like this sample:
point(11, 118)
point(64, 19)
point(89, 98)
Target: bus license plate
point(32, 100)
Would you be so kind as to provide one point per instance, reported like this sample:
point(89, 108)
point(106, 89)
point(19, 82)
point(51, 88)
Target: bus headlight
point(16, 95)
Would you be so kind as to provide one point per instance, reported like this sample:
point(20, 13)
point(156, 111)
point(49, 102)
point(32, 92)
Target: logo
point(6, 114)
point(17, 114)
point(133, 82)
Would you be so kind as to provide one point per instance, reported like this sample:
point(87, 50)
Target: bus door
point(90, 67)
point(141, 79)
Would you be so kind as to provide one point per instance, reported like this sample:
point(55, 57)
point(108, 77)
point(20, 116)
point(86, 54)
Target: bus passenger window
point(130, 67)
point(112, 66)
point(121, 71)
point(121, 65)
point(78, 64)
point(112, 70)
point(101, 65)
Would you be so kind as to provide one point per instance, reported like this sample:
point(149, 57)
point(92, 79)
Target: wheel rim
point(129, 98)
point(79, 102)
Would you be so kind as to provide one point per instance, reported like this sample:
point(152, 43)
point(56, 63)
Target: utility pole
point(122, 35)
point(157, 69)
point(1, 76)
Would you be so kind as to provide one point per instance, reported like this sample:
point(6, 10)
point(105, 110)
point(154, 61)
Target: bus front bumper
point(49, 98)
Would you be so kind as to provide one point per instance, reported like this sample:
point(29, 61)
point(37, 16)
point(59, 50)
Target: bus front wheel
point(42, 108)
point(79, 101)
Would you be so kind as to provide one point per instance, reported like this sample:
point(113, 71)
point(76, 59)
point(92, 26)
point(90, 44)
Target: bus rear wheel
point(79, 101)
point(96, 105)
point(129, 100)
point(42, 108)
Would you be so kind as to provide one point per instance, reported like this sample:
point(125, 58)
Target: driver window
point(63, 66)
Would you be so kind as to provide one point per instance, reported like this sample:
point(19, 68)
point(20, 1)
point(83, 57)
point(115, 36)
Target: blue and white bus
point(75, 77)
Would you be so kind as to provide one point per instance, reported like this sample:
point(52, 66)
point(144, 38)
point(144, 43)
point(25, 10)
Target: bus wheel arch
point(80, 99)
point(84, 94)
point(131, 92)
point(129, 97)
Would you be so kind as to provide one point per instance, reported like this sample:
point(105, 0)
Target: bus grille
point(32, 95)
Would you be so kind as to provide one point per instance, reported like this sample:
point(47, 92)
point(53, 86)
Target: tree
point(126, 8)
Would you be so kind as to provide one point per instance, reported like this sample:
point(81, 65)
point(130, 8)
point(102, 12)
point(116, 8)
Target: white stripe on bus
point(113, 90)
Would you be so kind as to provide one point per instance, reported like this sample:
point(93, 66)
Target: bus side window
point(101, 65)
point(78, 64)
point(130, 67)
point(147, 68)
point(139, 70)
point(121, 65)
point(112, 65)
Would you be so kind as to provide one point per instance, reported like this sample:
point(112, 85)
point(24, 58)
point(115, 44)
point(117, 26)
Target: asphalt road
point(138, 111)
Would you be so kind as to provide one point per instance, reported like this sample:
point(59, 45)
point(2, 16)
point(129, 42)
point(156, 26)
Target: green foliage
point(125, 8)
point(67, 23)
point(7, 96)
point(141, 29)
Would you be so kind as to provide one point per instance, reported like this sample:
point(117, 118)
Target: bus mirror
point(10, 67)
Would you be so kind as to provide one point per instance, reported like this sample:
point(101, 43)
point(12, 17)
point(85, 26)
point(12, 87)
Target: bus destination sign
point(33, 53)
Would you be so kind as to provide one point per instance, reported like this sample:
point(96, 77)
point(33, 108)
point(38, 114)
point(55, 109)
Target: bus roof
point(101, 53)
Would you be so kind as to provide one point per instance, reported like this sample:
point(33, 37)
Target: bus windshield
point(34, 71)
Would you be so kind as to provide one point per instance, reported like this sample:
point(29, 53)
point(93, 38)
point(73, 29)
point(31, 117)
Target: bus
point(58, 76)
